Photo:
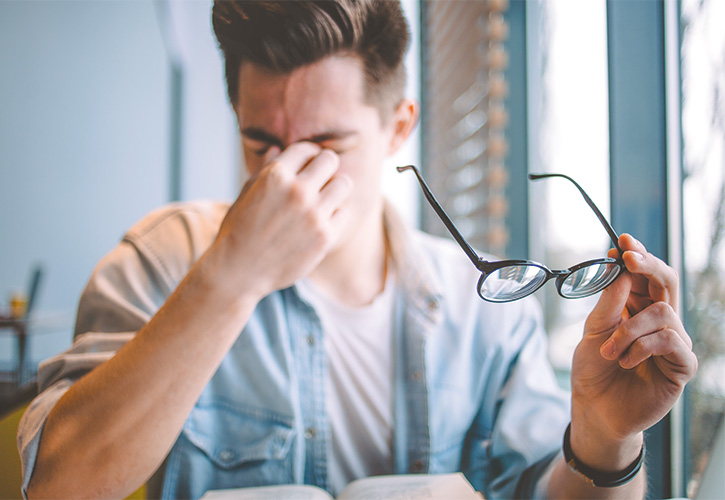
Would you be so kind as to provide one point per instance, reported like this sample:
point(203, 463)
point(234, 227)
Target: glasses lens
point(590, 279)
point(512, 283)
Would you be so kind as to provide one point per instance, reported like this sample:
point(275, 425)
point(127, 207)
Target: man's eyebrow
point(258, 134)
point(331, 136)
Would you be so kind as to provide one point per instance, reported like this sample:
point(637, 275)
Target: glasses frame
point(488, 267)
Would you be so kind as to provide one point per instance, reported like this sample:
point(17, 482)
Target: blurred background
point(109, 109)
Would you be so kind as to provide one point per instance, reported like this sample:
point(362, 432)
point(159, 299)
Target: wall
point(82, 138)
point(85, 137)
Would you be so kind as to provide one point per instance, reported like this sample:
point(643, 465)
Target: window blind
point(465, 118)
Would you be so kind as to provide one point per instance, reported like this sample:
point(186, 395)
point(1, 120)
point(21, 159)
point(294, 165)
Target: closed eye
point(257, 147)
point(258, 141)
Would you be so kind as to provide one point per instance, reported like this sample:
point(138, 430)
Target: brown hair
point(285, 35)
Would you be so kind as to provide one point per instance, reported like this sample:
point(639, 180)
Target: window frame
point(645, 161)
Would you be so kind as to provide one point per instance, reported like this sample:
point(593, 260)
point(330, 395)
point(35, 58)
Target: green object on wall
point(10, 478)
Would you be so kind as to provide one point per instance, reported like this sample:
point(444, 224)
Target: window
point(569, 134)
point(610, 84)
point(703, 130)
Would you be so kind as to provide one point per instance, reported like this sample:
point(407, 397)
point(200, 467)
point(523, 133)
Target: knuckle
point(316, 226)
point(298, 195)
point(688, 341)
point(671, 336)
point(662, 309)
point(674, 275)
point(639, 344)
point(626, 331)
point(322, 230)
point(275, 173)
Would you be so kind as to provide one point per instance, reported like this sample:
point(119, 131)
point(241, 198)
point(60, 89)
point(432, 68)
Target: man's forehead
point(332, 78)
point(320, 98)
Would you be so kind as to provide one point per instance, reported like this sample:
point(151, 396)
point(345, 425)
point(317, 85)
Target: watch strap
point(601, 479)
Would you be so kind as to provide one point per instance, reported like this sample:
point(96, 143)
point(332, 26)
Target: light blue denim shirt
point(473, 389)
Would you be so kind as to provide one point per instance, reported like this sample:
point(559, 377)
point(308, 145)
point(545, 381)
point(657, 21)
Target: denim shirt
point(473, 390)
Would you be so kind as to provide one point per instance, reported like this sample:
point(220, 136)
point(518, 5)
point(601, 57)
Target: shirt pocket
point(229, 446)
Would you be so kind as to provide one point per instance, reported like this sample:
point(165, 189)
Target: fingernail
point(637, 255)
point(608, 348)
point(632, 239)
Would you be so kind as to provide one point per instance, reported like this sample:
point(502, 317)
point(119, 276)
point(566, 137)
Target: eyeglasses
point(509, 280)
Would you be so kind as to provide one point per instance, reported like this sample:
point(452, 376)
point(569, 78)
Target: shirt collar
point(417, 278)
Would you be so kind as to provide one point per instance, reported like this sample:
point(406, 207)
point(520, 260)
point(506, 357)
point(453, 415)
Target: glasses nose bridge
point(559, 275)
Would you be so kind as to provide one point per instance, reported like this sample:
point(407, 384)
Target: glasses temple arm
point(444, 216)
point(607, 226)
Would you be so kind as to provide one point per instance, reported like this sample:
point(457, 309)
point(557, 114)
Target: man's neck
point(355, 271)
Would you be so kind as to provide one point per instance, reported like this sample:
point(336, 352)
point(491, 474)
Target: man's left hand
point(633, 362)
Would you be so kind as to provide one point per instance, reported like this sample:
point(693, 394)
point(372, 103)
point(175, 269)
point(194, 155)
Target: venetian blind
point(464, 121)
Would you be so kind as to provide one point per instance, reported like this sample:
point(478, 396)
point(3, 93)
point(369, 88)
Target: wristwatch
point(596, 477)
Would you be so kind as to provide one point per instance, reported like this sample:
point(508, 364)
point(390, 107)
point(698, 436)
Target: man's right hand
point(284, 222)
point(286, 219)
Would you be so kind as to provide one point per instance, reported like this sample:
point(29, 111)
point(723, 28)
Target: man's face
point(321, 103)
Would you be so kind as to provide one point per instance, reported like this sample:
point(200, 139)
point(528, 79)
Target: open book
point(398, 487)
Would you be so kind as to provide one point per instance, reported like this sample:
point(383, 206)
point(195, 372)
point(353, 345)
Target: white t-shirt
point(359, 389)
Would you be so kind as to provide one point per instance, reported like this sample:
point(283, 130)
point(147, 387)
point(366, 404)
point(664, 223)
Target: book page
point(289, 491)
point(411, 486)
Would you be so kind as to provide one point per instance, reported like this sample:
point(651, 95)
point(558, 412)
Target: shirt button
point(432, 305)
point(417, 376)
point(310, 340)
point(310, 433)
point(417, 466)
point(226, 455)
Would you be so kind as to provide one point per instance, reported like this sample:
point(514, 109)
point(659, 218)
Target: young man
point(303, 334)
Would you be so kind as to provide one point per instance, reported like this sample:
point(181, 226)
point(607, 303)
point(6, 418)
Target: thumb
point(611, 307)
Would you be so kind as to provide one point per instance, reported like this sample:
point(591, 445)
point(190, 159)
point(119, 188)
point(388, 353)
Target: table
point(20, 388)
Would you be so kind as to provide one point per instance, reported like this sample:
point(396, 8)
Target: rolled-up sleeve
point(55, 377)
point(105, 307)
point(125, 290)
point(111, 309)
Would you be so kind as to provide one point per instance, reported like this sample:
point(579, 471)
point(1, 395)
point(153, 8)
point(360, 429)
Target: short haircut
point(285, 35)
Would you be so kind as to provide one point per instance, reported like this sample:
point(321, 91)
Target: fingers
point(650, 326)
point(657, 331)
point(293, 159)
point(318, 171)
point(315, 184)
point(336, 191)
point(656, 317)
point(295, 200)
point(653, 278)
point(668, 345)
point(610, 309)
point(305, 164)
point(272, 153)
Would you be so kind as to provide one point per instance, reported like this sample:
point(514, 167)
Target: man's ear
point(404, 120)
